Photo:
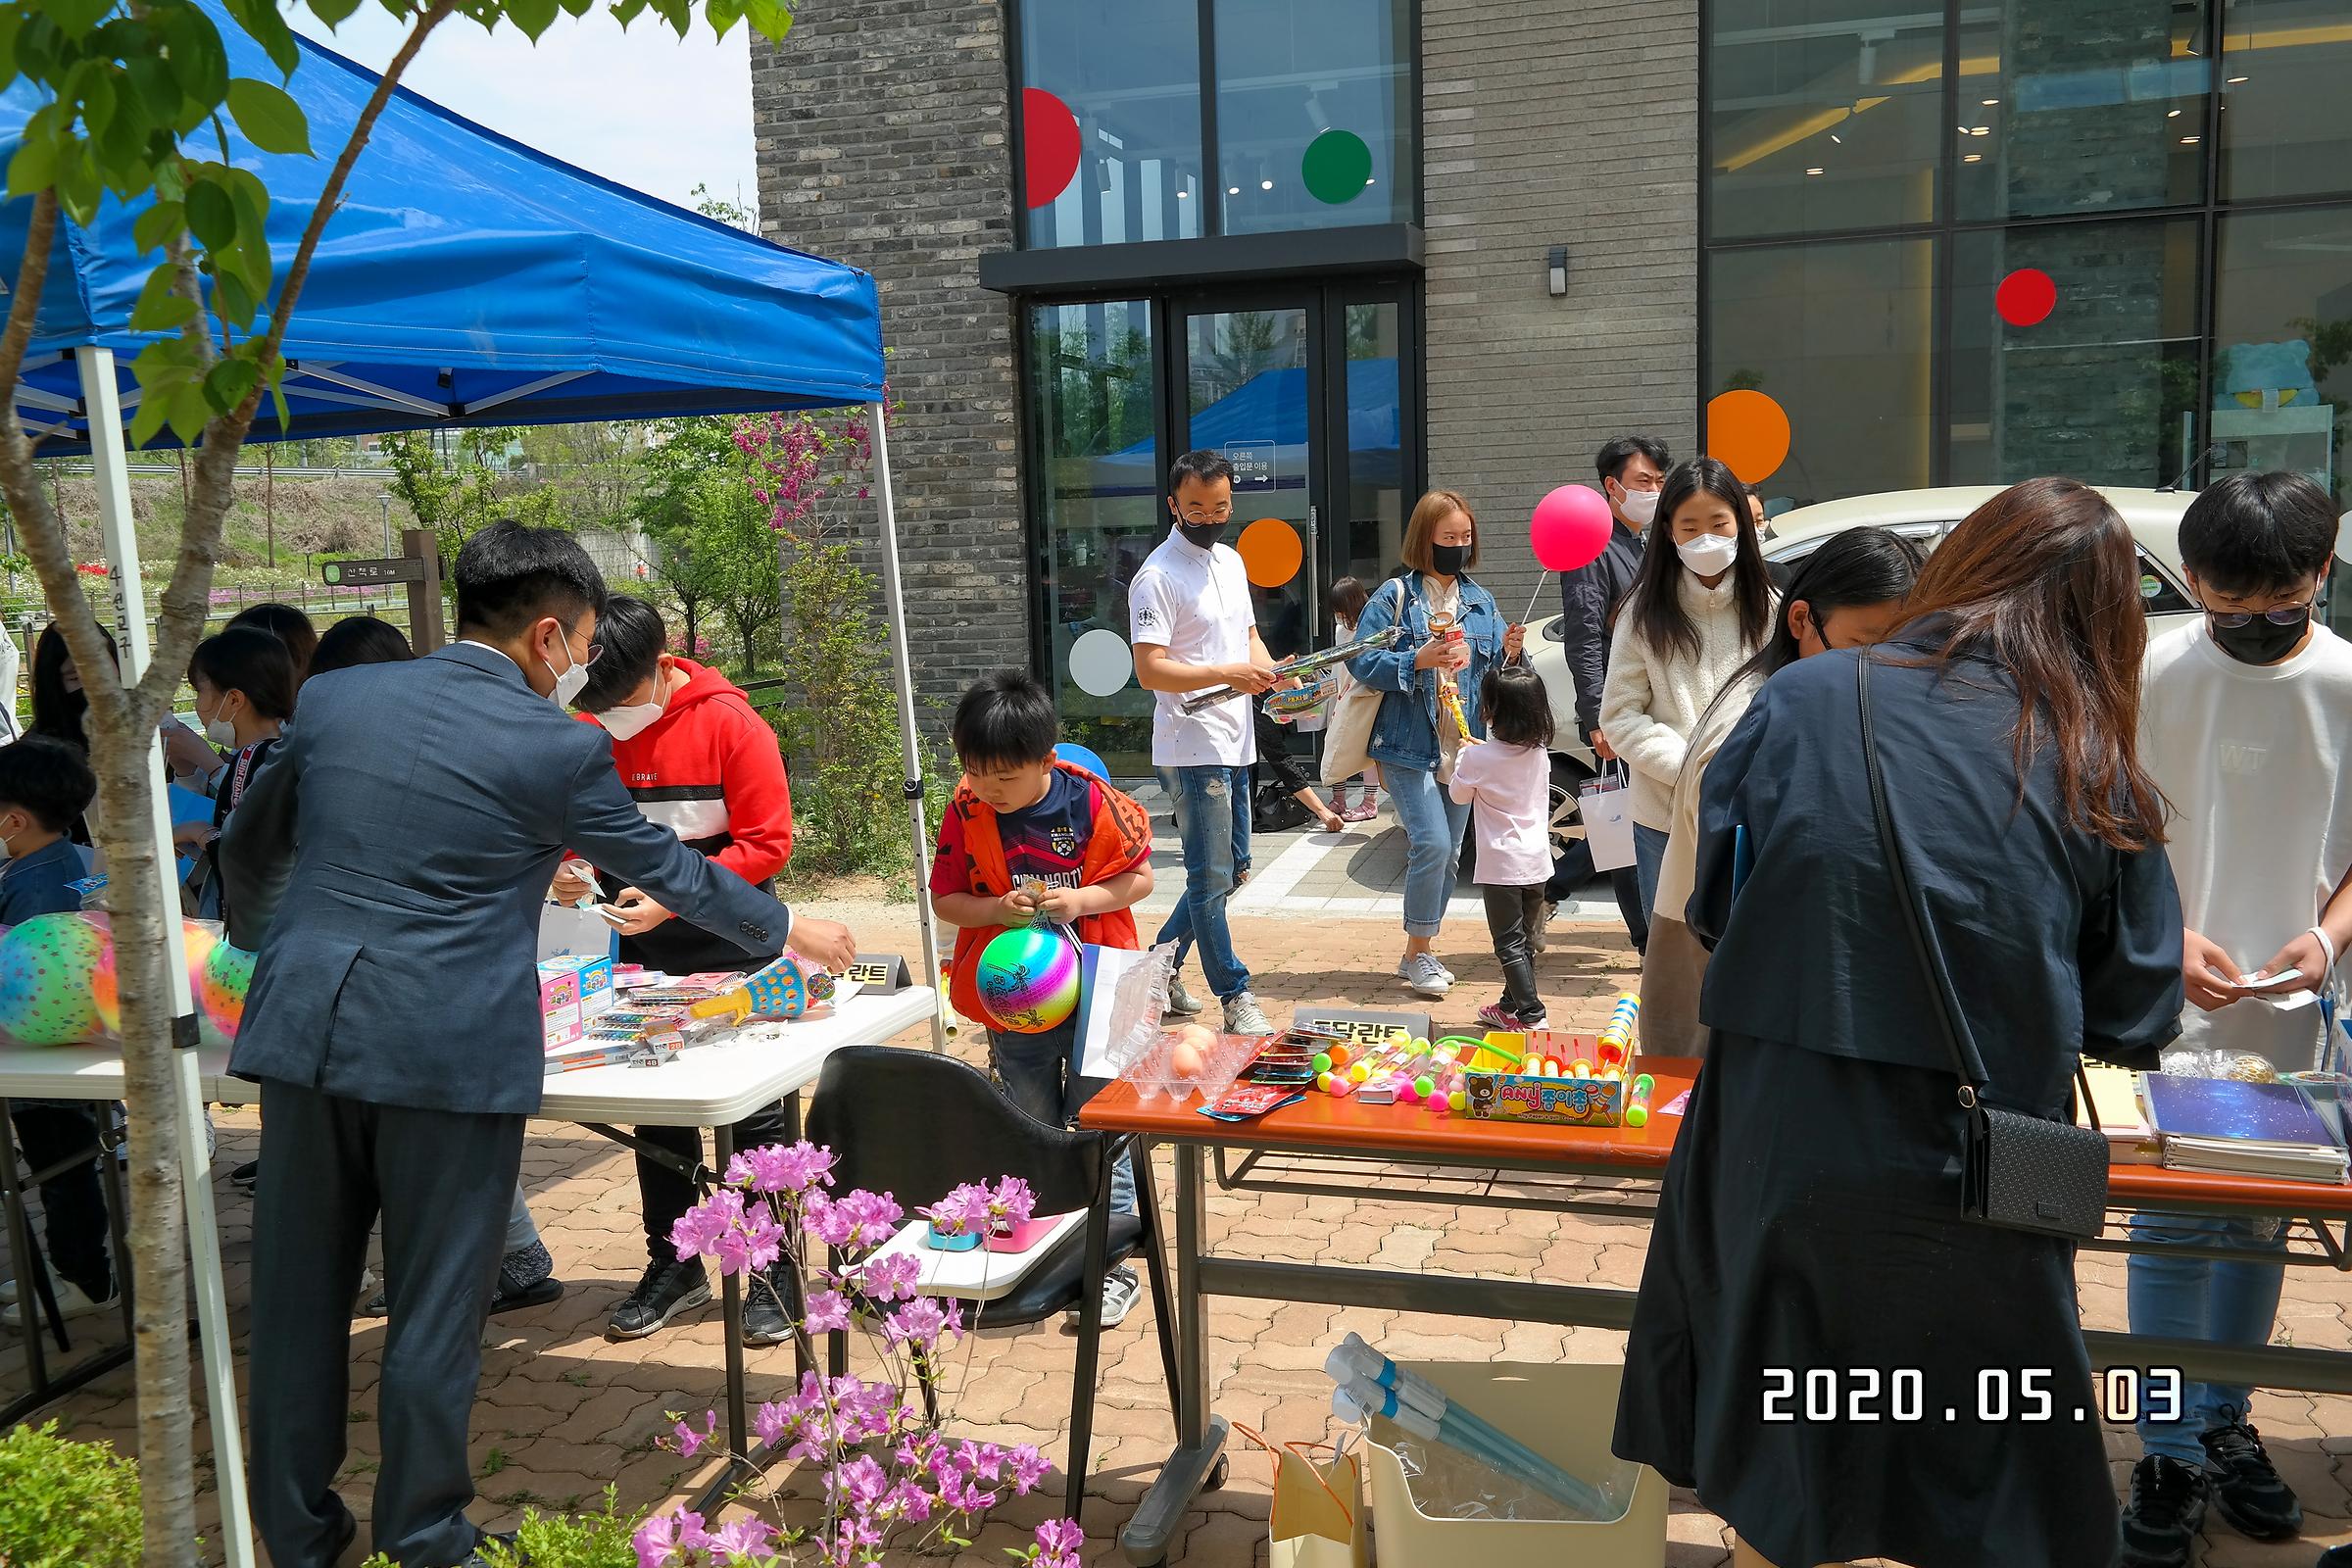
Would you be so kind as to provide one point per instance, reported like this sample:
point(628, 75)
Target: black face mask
point(1201, 535)
point(2260, 641)
point(1447, 560)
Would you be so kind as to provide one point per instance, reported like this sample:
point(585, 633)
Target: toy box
point(1562, 1101)
point(597, 994)
point(559, 1014)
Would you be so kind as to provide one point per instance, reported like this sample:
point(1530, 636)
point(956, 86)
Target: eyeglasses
point(1195, 514)
point(2283, 615)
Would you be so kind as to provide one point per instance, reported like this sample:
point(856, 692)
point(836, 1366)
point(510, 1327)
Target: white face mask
point(219, 731)
point(570, 680)
point(630, 720)
point(1708, 553)
point(1641, 506)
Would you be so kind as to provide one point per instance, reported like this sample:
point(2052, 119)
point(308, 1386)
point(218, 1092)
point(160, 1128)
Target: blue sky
point(642, 107)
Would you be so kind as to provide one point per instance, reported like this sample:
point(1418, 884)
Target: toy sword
point(1303, 664)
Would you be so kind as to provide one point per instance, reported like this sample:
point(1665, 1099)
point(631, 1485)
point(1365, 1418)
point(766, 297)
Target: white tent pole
point(111, 464)
point(908, 750)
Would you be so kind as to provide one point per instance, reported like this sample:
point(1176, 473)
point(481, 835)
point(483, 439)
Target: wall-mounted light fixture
point(1557, 276)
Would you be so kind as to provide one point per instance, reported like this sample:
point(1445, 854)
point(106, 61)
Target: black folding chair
point(915, 1125)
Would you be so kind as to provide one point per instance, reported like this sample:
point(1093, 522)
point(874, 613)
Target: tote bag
point(1606, 803)
point(1348, 736)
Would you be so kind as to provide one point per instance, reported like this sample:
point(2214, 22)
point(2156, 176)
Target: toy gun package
point(1303, 664)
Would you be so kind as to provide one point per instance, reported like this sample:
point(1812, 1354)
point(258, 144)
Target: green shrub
point(66, 1504)
point(562, 1541)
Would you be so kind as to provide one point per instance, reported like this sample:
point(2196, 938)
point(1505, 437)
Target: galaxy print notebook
point(2241, 1128)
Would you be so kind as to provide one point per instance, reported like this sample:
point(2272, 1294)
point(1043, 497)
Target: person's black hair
point(1859, 567)
point(248, 659)
point(47, 778)
point(508, 576)
point(1203, 464)
point(1655, 599)
point(56, 712)
point(1622, 451)
point(633, 639)
point(2258, 533)
point(1516, 706)
point(1348, 598)
point(1004, 720)
point(361, 640)
point(291, 627)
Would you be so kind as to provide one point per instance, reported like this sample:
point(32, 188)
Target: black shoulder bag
point(2017, 1171)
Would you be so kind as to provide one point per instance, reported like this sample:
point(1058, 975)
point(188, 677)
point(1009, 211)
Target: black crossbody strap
point(1902, 888)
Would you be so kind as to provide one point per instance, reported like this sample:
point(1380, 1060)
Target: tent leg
point(111, 464)
point(908, 750)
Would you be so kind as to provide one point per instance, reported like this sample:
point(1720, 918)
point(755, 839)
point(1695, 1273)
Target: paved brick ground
point(562, 1411)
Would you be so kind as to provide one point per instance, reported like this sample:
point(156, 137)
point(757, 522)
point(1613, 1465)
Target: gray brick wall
point(882, 142)
point(1543, 126)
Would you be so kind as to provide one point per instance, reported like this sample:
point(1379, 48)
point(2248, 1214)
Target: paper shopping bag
point(567, 932)
point(1318, 1512)
point(1606, 805)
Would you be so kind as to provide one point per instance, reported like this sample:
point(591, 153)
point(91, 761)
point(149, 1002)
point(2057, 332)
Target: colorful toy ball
point(1425, 1086)
point(1407, 1094)
point(220, 983)
point(1324, 1080)
point(48, 965)
point(1323, 1062)
point(1339, 1055)
point(1028, 980)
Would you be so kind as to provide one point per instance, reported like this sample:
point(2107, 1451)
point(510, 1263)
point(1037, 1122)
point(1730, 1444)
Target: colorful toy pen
point(1637, 1100)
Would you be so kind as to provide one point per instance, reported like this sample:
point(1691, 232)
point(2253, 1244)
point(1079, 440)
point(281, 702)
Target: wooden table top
point(1320, 1122)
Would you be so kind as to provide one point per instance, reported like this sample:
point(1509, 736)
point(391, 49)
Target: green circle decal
point(1337, 167)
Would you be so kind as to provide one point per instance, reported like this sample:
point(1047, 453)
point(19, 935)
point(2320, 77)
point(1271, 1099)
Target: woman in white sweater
point(1700, 606)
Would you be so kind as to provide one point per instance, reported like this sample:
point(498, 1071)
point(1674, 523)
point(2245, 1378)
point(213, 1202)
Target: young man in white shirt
point(2247, 726)
point(1193, 630)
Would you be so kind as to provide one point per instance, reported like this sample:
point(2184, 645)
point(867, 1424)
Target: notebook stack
point(2114, 1109)
point(2242, 1129)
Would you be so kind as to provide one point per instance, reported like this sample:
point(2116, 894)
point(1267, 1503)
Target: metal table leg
point(739, 1426)
point(1198, 1463)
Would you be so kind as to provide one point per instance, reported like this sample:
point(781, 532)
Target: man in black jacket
point(1632, 468)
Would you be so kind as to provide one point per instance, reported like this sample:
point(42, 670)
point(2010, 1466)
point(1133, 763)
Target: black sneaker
point(763, 1320)
point(2164, 1513)
point(2246, 1486)
point(246, 1174)
point(666, 1289)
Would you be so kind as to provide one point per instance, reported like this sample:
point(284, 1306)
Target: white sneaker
point(1426, 976)
point(1122, 1290)
point(71, 1303)
point(1243, 1017)
point(1181, 1002)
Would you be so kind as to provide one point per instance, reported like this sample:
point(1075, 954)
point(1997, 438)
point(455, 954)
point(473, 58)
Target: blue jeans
point(1650, 858)
point(1433, 843)
point(2194, 1299)
point(1038, 1075)
point(1213, 820)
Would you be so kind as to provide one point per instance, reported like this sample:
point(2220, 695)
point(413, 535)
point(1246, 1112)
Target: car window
point(2159, 595)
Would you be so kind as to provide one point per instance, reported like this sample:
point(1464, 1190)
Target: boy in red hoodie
point(1020, 820)
point(700, 760)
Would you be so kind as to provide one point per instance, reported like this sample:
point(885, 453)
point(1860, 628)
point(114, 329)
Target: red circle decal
point(1049, 145)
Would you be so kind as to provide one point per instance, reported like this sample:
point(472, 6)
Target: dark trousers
point(1512, 914)
point(1626, 883)
point(668, 1196)
point(443, 1182)
point(74, 1200)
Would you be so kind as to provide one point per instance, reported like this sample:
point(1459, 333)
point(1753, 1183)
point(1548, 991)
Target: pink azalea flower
point(745, 1540)
point(1057, 1544)
point(828, 1312)
point(1014, 1200)
point(1029, 1467)
point(891, 1277)
point(690, 1441)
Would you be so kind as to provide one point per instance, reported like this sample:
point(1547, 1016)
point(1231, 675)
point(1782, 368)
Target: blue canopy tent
point(464, 279)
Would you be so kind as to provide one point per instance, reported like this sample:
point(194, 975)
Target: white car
point(2154, 516)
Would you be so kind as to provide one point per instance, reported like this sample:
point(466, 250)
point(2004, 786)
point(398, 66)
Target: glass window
point(1822, 116)
point(1315, 116)
point(2283, 345)
point(1371, 536)
point(2104, 388)
point(1246, 386)
point(2089, 106)
point(2286, 119)
point(1839, 335)
point(1088, 389)
point(1122, 78)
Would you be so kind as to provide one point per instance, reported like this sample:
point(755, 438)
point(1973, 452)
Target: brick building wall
point(1547, 125)
point(881, 139)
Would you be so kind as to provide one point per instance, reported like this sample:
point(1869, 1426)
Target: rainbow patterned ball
point(46, 968)
point(221, 983)
point(1028, 980)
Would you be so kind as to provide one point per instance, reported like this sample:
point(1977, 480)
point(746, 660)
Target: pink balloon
point(1570, 528)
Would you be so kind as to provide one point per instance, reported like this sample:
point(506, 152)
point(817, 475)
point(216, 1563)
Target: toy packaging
point(559, 1012)
point(597, 995)
point(1552, 1101)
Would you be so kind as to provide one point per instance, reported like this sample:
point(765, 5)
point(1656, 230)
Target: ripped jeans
point(1213, 820)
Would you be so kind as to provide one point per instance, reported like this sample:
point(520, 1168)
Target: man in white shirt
point(2245, 725)
point(1191, 621)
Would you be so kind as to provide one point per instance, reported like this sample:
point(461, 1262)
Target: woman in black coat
point(1811, 1218)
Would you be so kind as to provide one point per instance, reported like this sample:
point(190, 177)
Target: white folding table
point(713, 1086)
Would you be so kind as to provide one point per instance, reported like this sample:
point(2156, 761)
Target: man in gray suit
point(390, 861)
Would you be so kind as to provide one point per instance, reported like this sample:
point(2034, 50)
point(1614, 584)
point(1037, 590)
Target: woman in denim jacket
point(1414, 738)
